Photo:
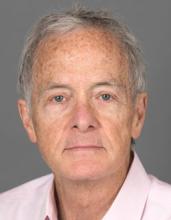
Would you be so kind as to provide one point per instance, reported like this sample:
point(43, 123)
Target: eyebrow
point(54, 85)
point(111, 83)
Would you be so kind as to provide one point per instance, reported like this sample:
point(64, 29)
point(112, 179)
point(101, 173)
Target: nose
point(84, 118)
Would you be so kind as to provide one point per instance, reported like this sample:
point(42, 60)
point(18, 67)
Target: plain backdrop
point(150, 20)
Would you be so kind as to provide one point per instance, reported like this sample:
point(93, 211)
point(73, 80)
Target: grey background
point(149, 20)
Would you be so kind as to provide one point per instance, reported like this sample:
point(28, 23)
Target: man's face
point(82, 116)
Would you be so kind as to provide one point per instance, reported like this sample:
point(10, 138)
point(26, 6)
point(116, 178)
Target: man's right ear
point(26, 119)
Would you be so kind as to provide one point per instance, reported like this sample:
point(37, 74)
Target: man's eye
point(59, 98)
point(106, 97)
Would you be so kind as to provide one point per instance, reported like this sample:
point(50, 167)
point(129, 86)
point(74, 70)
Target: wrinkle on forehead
point(77, 45)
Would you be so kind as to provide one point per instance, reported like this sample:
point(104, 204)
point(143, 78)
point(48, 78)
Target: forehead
point(79, 52)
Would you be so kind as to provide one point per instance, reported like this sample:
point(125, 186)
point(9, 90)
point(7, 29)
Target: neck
point(87, 199)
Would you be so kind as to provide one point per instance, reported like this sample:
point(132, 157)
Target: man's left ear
point(25, 116)
point(140, 107)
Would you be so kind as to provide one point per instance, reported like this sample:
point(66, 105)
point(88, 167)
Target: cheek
point(49, 131)
point(116, 129)
point(116, 139)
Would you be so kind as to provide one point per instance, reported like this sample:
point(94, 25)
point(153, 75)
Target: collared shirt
point(141, 197)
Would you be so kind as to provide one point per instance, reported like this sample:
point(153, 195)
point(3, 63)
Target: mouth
point(83, 148)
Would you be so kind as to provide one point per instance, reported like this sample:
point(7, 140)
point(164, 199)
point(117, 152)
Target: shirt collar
point(50, 208)
point(130, 201)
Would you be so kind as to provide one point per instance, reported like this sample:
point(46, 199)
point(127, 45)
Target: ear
point(140, 107)
point(25, 116)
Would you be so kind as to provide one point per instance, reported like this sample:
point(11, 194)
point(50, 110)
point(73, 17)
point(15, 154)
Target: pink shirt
point(142, 197)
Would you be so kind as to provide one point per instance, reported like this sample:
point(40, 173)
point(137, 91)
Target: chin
point(85, 171)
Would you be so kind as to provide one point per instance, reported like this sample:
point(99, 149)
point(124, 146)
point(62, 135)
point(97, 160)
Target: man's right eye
point(59, 98)
point(106, 97)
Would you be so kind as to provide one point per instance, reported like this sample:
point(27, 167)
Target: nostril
point(83, 127)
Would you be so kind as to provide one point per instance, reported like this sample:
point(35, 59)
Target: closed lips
point(83, 147)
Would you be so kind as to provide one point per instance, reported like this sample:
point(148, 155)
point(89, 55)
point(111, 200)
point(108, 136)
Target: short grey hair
point(59, 23)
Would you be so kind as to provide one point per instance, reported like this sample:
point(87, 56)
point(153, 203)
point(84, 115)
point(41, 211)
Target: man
point(83, 102)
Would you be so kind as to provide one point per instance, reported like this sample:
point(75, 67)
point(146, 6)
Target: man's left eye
point(106, 97)
point(59, 98)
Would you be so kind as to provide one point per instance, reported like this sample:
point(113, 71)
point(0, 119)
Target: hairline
point(57, 31)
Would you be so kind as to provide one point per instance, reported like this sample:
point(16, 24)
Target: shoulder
point(24, 196)
point(160, 194)
point(27, 189)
